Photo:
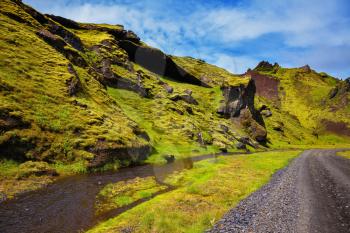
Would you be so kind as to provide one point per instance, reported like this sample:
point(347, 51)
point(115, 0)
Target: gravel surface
point(311, 195)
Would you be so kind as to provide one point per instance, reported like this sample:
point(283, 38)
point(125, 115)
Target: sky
point(235, 35)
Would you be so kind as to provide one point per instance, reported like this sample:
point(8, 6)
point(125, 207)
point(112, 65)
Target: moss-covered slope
point(306, 106)
point(92, 94)
point(73, 92)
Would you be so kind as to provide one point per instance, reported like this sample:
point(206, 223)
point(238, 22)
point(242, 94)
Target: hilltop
point(78, 97)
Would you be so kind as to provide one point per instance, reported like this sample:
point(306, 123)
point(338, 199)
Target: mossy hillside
point(91, 37)
point(62, 127)
point(174, 126)
point(203, 194)
point(304, 94)
point(209, 74)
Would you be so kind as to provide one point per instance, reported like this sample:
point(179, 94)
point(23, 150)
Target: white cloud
point(234, 64)
point(318, 26)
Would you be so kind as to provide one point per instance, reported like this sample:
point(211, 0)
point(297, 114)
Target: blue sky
point(235, 35)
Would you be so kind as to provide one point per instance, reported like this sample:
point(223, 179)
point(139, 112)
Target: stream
point(67, 205)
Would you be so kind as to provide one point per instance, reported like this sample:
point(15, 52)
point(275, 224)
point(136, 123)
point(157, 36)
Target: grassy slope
point(172, 132)
point(34, 76)
point(304, 102)
point(203, 194)
point(211, 74)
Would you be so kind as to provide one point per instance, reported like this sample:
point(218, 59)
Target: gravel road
point(311, 195)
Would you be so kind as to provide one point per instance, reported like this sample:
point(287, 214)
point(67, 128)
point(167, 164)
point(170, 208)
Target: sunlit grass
point(203, 194)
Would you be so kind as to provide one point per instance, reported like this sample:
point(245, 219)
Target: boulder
point(266, 113)
point(306, 68)
point(223, 149)
point(241, 146)
point(169, 158)
point(333, 93)
point(31, 168)
point(168, 88)
point(184, 97)
point(106, 151)
point(188, 92)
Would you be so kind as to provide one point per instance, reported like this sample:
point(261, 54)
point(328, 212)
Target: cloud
point(232, 35)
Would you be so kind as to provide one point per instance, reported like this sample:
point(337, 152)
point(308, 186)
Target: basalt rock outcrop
point(157, 62)
point(239, 103)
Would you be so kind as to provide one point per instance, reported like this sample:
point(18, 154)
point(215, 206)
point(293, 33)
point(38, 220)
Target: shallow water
point(68, 204)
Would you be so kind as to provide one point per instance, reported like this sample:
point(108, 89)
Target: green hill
point(76, 97)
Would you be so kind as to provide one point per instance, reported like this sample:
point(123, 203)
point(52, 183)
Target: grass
point(37, 73)
point(306, 96)
point(10, 182)
point(203, 194)
point(304, 103)
point(345, 154)
point(210, 74)
point(91, 37)
point(116, 195)
point(170, 132)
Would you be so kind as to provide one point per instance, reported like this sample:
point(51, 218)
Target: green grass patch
point(116, 195)
point(345, 154)
point(203, 195)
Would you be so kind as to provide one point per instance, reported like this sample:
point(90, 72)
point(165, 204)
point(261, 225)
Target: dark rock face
point(51, 39)
point(113, 80)
point(73, 83)
point(8, 122)
point(157, 62)
point(64, 22)
point(347, 80)
point(340, 128)
point(66, 35)
point(333, 93)
point(234, 101)
point(239, 103)
point(169, 158)
point(59, 44)
point(31, 168)
point(13, 146)
point(265, 66)
point(184, 97)
point(35, 14)
point(306, 68)
point(241, 146)
point(168, 88)
point(266, 86)
point(105, 153)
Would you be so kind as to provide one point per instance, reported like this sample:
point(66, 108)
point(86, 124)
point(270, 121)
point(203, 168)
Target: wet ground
point(68, 204)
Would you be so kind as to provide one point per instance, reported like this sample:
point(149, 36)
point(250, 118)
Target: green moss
point(345, 154)
point(116, 195)
point(203, 194)
point(91, 37)
point(210, 74)
point(170, 132)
